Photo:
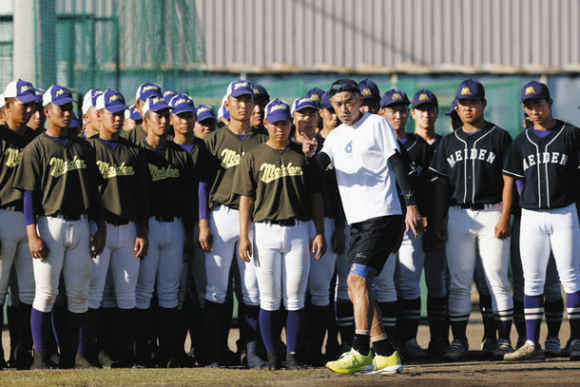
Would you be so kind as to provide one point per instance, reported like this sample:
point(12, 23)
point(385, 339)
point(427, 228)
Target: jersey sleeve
point(439, 163)
point(28, 175)
point(327, 148)
point(513, 165)
point(244, 181)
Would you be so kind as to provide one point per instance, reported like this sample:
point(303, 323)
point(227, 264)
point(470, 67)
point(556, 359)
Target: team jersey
point(63, 178)
point(135, 135)
point(124, 180)
point(11, 145)
point(328, 186)
point(548, 166)
point(225, 151)
point(172, 190)
point(198, 152)
point(280, 182)
point(421, 153)
point(473, 164)
point(359, 155)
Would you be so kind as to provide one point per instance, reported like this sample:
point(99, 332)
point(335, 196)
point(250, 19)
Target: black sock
point(361, 343)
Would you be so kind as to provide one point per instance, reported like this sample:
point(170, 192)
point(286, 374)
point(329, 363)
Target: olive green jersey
point(225, 151)
point(11, 145)
point(172, 190)
point(62, 178)
point(135, 135)
point(280, 182)
point(123, 185)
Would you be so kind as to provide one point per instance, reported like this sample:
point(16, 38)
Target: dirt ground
point(475, 372)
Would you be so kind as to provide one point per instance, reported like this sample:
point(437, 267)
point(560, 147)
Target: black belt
point(72, 217)
point(117, 220)
point(285, 222)
point(164, 218)
point(473, 207)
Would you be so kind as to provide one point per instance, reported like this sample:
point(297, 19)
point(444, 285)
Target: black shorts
point(372, 241)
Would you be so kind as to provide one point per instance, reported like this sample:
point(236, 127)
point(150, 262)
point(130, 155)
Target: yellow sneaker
point(352, 362)
point(386, 364)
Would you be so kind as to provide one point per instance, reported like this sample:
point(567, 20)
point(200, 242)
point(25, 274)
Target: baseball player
point(468, 162)
point(132, 119)
point(58, 175)
point(305, 115)
point(371, 96)
point(125, 203)
point(90, 118)
point(280, 193)
point(206, 121)
point(172, 214)
point(14, 136)
point(37, 119)
point(543, 163)
point(218, 213)
point(261, 99)
point(364, 153)
point(145, 91)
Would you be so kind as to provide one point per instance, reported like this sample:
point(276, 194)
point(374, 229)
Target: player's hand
point(245, 249)
point(98, 241)
point(188, 249)
point(338, 240)
point(319, 246)
point(205, 236)
point(38, 248)
point(502, 230)
point(141, 246)
point(309, 146)
point(414, 221)
point(440, 233)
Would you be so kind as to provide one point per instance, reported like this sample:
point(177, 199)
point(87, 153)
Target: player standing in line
point(412, 257)
point(58, 175)
point(145, 91)
point(364, 153)
point(218, 215)
point(305, 115)
point(124, 195)
point(371, 97)
point(280, 193)
point(543, 162)
point(172, 215)
point(468, 162)
point(206, 121)
point(261, 99)
point(90, 118)
point(37, 119)
point(14, 136)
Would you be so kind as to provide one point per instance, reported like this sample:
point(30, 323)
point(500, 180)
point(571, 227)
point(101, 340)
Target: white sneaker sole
point(370, 370)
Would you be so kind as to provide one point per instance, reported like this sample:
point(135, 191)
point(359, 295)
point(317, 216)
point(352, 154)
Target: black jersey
point(473, 164)
point(135, 135)
point(548, 166)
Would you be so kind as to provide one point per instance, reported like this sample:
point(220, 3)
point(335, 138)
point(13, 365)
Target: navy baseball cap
point(343, 85)
point(21, 90)
point(369, 89)
point(147, 90)
point(39, 93)
point(58, 95)
point(470, 89)
point(278, 110)
point(260, 92)
point(132, 113)
point(452, 108)
point(304, 103)
point(423, 97)
point(393, 97)
point(112, 101)
point(240, 87)
point(315, 94)
point(222, 111)
point(205, 112)
point(325, 102)
point(74, 122)
point(182, 103)
point(90, 99)
point(155, 104)
point(535, 90)
point(168, 94)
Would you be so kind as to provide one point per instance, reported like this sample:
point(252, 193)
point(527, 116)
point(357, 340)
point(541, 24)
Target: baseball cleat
point(488, 347)
point(552, 347)
point(457, 352)
point(413, 351)
point(503, 348)
point(528, 352)
point(352, 362)
point(575, 350)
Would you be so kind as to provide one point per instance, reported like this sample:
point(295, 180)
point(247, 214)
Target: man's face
point(425, 116)
point(306, 121)
point(470, 111)
point(258, 113)
point(241, 107)
point(205, 127)
point(329, 118)
point(111, 123)
point(184, 122)
point(59, 116)
point(279, 131)
point(157, 122)
point(397, 115)
point(347, 106)
point(538, 110)
point(19, 112)
point(370, 106)
point(37, 119)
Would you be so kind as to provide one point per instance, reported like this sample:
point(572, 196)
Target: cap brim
point(425, 103)
point(237, 93)
point(63, 101)
point(27, 98)
point(205, 117)
point(272, 118)
point(183, 110)
point(116, 108)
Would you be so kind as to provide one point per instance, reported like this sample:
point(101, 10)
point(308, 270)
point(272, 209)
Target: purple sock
point(293, 326)
point(573, 304)
point(38, 323)
point(534, 310)
point(266, 329)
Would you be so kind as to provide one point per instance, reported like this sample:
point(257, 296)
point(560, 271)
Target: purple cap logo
point(112, 101)
point(147, 90)
point(240, 87)
point(205, 112)
point(278, 110)
point(182, 103)
point(57, 95)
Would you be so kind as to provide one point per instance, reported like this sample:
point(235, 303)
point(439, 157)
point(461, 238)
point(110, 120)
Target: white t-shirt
point(359, 156)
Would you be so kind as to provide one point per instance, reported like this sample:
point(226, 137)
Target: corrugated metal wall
point(497, 36)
